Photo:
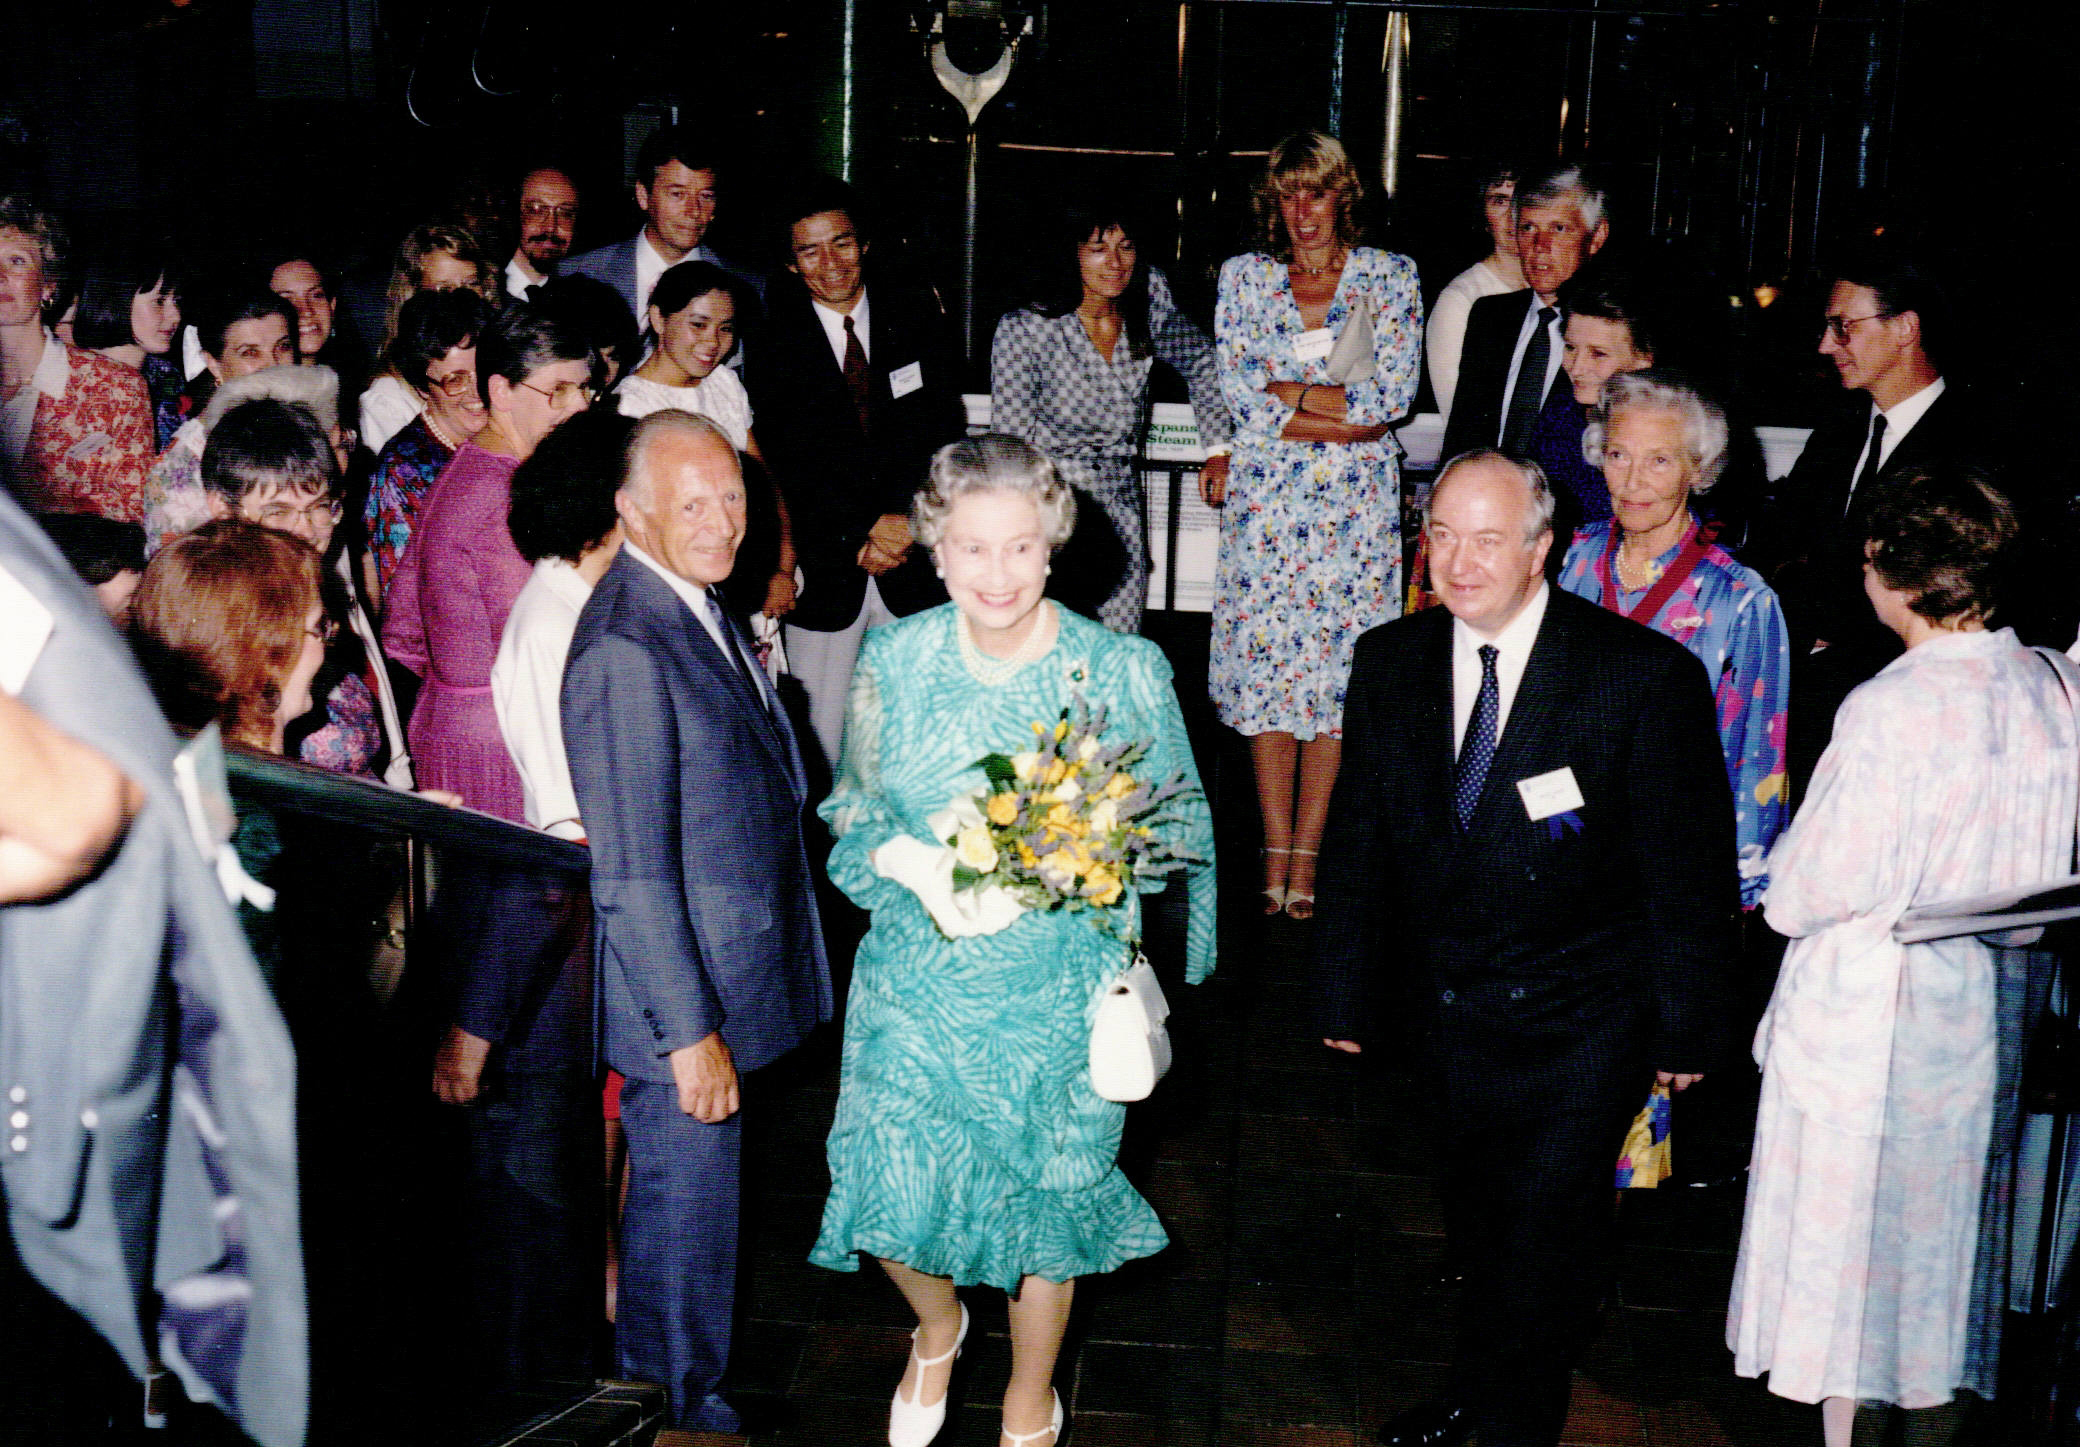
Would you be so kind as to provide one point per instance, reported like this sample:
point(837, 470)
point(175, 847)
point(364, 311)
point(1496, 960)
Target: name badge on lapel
point(905, 380)
point(1545, 795)
point(1313, 346)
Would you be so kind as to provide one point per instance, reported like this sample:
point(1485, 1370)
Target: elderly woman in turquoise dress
point(1310, 553)
point(969, 1147)
point(1659, 443)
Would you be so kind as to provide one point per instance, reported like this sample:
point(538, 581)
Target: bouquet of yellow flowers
point(1066, 824)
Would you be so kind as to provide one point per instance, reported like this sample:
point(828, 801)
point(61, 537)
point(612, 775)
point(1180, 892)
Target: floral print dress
point(405, 469)
point(1311, 534)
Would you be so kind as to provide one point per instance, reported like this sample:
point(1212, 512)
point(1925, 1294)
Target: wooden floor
point(1297, 1305)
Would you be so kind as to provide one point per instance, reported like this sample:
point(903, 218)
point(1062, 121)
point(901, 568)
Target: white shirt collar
point(834, 326)
point(1901, 416)
point(1513, 652)
point(517, 279)
point(693, 595)
point(650, 265)
point(52, 368)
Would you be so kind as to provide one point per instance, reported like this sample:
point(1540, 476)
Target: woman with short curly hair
point(1951, 774)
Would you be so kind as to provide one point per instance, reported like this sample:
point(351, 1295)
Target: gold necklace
point(1334, 263)
point(991, 672)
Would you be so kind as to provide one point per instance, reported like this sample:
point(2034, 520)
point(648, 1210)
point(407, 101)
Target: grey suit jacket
point(692, 791)
point(151, 1065)
point(616, 266)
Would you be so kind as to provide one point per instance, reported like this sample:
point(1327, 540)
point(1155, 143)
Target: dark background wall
point(1746, 139)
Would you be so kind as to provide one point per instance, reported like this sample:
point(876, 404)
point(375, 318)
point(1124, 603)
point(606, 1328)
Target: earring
point(1048, 571)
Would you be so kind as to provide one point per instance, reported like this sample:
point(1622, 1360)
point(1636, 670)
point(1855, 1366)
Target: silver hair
point(313, 388)
point(635, 453)
point(1562, 184)
point(1532, 475)
point(993, 462)
point(1653, 390)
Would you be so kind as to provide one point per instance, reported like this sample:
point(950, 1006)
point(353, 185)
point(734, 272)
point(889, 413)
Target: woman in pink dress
point(460, 573)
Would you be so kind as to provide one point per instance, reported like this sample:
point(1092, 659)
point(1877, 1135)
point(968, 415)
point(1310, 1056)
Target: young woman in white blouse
point(693, 321)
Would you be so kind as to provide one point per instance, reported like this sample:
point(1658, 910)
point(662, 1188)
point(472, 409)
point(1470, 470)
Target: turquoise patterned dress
point(968, 1142)
point(1311, 534)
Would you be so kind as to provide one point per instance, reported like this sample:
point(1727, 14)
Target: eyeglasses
point(281, 516)
point(1838, 327)
point(565, 395)
point(325, 632)
point(542, 211)
point(455, 384)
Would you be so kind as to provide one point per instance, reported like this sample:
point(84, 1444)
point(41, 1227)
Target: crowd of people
point(662, 555)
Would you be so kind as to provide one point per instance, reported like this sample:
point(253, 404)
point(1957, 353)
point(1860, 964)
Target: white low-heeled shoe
point(912, 1424)
point(1053, 1431)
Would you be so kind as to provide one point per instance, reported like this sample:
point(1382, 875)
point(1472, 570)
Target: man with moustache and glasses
point(548, 217)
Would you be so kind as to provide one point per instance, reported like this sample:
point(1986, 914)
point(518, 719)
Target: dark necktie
point(733, 648)
point(1478, 749)
point(856, 379)
point(1529, 396)
point(1869, 474)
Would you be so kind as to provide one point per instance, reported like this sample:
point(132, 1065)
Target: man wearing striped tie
point(1528, 856)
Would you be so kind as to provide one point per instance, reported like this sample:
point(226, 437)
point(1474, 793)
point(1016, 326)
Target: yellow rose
point(1119, 786)
point(1080, 863)
point(1003, 809)
point(1103, 885)
point(973, 848)
point(1056, 772)
point(1026, 856)
point(1062, 817)
point(1057, 866)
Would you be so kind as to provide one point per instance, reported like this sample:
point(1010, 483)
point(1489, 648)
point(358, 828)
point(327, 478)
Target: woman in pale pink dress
point(1952, 773)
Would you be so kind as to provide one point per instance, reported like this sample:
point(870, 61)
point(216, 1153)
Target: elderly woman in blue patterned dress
point(969, 1147)
point(1658, 443)
point(1069, 374)
point(1311, 537)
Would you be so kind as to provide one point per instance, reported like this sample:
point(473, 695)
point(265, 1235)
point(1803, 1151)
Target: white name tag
point(905, 380)
point(1550, 794)
point(1315, 345)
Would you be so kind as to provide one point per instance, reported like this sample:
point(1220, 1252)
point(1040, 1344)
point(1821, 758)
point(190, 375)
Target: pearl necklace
point(1335, 263)
point(1646, 571)
point(994, 672)
point(439, 435)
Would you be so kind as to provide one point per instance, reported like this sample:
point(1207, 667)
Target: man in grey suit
point(710, 953)
point(676, 191)
point(142, 1163)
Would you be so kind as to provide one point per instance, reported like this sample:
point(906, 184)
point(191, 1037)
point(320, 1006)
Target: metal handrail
point(299, 788)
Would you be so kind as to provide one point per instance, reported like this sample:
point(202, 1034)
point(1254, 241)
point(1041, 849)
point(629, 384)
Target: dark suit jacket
point(1810, 541)
point(1491, 339)
point(838, 480)
point(1537, 959)
point(704, 914)
point(616, 266)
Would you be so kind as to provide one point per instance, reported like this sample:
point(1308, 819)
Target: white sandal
point(911, 1423)
point(1053, 1431)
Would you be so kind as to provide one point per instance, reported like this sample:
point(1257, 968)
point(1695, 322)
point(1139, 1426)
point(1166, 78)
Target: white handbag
point(1130, 1045)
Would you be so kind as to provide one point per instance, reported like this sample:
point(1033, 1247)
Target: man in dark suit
point(855, 387)
point(1509, 370)
point(710, 954)
point(1884, 323)
point(676, 192)
point(1531, 839)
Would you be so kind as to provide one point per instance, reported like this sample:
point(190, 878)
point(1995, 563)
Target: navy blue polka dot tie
point(1478, 749)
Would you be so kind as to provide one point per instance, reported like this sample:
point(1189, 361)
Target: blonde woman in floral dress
point(1311, 533)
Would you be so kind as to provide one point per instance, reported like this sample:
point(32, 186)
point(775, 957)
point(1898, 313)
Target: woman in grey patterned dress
point(1069, 374)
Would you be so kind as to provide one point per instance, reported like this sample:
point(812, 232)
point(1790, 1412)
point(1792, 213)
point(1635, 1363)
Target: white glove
point(926, 870)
